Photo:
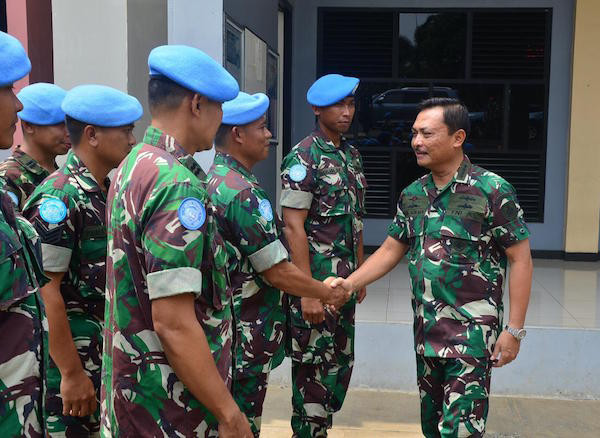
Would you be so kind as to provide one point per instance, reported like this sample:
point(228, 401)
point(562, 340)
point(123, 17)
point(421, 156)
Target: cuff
point(510, 233)
point(296, 199)
point(268, 256)
point(172, 282)
point(55, 258)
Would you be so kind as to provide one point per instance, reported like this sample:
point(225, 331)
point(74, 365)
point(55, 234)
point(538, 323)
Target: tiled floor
point(563, 294)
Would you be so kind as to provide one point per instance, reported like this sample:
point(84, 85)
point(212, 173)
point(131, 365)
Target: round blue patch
point(265, 209)
point(13, 197)
point(191, 213)
point(297, 172)
point(53, 210)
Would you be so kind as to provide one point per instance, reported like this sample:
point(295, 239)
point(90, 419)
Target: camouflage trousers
point(23, 341)
point(87, 335)
point(322, 361)
point(454, 395)
point(249, 393)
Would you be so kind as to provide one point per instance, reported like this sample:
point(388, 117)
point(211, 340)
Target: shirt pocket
point(460, 238)
point(333, 198)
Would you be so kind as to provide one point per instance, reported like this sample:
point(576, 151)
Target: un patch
point(53, 210)
point(297, 172)
point(264, 207)
point(192, 213)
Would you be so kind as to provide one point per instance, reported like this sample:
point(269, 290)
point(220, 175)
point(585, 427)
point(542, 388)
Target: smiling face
point(51, 139)
point(10, 105)
point(432, 142)
point(337, 118)
point(255, 138)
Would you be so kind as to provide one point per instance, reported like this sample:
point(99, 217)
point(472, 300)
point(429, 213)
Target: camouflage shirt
point(162, 241)
point(248, 224)
point(74, 243)
point(457, 238)
point(23, 325)
point(22, 174)
point(329, 182)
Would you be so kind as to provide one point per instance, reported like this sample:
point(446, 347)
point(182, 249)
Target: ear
point(316, 110)
point(196, 103)
point(459, 137)
point(91, 135)
point(27, 127)
point(237, 134)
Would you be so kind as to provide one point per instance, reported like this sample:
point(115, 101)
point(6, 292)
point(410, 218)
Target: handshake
point(339, 292)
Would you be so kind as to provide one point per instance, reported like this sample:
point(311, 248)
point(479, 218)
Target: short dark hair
point(75, 128)
point(221, 135)
point(456, 114)
point(164, 93)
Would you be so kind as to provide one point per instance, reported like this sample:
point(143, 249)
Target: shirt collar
point(461, 176)
point(81, 173)
point(29, 163)
point(227, 160)
point(164, 141)
point(321, 140)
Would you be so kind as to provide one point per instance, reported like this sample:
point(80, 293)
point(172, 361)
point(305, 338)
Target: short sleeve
point(253, 224)
point(298, 180)
point(507, 223)
point(57, 227)
point(173, 222)
point(398, 227)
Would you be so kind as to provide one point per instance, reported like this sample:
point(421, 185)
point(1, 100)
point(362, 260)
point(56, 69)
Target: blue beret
point(193, 69)
point(245, 108)
point(330, 89)
point(41, 104)
point(101, 106)
point(14, 63)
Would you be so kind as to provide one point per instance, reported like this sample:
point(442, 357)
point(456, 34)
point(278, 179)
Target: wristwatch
point(517, 333)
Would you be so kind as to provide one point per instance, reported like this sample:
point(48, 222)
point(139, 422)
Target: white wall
point(90, 42)
point(198, 24)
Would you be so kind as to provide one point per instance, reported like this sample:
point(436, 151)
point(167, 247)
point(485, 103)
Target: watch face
point(521, 334)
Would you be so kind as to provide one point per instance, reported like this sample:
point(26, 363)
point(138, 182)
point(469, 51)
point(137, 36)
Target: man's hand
point(237, 427)
point(507, 349)
point(361, 295)
point(312, 310)
point(78, 394)
point(339, 295)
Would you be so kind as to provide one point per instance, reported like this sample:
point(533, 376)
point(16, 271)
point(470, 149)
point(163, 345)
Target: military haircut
point(165, 94)
point(75, 128)
point(456, 114)
point(221, 135)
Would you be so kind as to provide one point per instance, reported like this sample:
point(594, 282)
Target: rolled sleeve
point(173, 282)
point(55, 258)
point(398, 228)
point(296, 199)
point(268, 256)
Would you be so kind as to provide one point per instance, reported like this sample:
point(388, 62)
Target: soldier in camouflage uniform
point(323, 198)
point(69, 211)
point(23, 325)
point(258, 260)
point(457, 225)
point(168, 339)
point(44, 137)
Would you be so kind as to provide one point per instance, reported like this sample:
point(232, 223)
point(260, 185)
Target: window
point(495, 60)
point(233, 43)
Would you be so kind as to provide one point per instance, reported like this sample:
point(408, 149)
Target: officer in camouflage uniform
point(167, 355)
point(258, 260)
point(45, 137)
point(69, 212)
point(23, 325)
point(323, 198)
point(457, 225)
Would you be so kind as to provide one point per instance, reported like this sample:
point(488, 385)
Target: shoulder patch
point(192, 213)
point(264, 207)
point(13, 197)
point(297, 172)
point(53, 210)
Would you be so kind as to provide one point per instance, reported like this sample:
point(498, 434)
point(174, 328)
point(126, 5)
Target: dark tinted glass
point(527, 117)
point(432, 45)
